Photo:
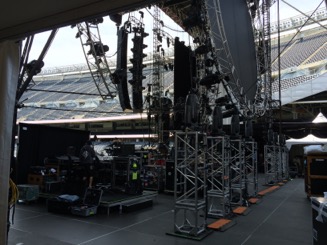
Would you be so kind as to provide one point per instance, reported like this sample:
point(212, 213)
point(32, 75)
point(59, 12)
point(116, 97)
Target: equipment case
point(28, 192)
point(60, 205)
point(90, 203)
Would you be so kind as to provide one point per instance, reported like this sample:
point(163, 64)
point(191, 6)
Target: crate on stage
point(154, 177)
point(28, 192)
point(90, 203)
point(62, 204)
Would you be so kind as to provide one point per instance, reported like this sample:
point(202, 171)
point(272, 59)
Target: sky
point(67, 50)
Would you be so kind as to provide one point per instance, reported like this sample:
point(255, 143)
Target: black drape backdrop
point(37, 142)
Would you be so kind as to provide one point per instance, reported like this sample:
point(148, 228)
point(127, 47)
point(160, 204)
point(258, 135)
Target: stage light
point(235, 125)
point(217, 121)
point(194, 19)
point(209, 62)
point(248, 129)
point(142, 14)
point(222, 100)
point(99, 49)
point(96, 21)
point(191, 109)
point(203, 49)
point(159, 37)
point(229, 106)
point(210, 79)
point(229, 112)
point(78, 34)
point(168, 42)
point(34, 64)
point(117, 18)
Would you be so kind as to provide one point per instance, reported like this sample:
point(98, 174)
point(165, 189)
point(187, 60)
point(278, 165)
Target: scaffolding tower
point(237, 172)
point(190, 216)
point(285, 161)
point(251, 168)
point(271, 157)
point(218, 178)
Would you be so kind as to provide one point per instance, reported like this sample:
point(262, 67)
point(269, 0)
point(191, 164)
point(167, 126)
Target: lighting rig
point(95, 54)
point(159, 105)
point(276, 158)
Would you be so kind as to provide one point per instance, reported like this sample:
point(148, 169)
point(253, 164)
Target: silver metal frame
point(270, 164)
point(237, 170)
point(218, 178)
point(251, 168)
point(190, 217)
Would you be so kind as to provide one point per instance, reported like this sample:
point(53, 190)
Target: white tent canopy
point(320, 118)
point(310, 139)
point(307, 140)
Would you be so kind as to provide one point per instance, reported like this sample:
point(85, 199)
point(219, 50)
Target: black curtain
point(36, 142)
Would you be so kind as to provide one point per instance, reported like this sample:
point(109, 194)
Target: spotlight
point(168, 42)
point(210, 80)
point(229, 112)
point(203, 49)
point(37, 66)
point(222, 100)
point(159, 37)
point(209, 62)
point(78, 34)
point(96, 21)
point(99, 49)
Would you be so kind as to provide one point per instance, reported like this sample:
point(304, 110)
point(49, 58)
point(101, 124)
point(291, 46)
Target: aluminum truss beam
point(190, 216)
point(237, 171)
point(271, 156)
point(251, 168)
point(218, 177)
point(285, 161)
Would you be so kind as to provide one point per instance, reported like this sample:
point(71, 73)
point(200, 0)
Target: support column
point(190, 216)
point(9, 70)
point(218, 177)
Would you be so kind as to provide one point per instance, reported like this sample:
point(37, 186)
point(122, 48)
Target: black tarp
point(37, 142)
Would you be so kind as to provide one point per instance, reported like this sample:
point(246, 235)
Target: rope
point(13, 199)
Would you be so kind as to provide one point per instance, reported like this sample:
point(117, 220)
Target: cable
point(14, 193)
point(13, 199)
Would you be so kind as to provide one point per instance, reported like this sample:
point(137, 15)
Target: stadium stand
point(74, 96)
point(300, 50)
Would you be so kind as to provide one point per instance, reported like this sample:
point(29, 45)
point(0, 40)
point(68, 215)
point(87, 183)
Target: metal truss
point(237, 172)
point(218, 177)
point(285, 161)
point(272, 164)
point(190, 216)
point(224, 62)
point(94, 52)
point(251, 168)
point(260, 15)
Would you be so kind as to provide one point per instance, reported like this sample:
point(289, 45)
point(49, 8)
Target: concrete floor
point(282, 217)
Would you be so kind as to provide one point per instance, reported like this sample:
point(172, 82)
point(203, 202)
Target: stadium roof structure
point(21, 18)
